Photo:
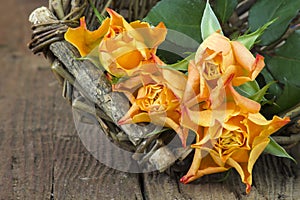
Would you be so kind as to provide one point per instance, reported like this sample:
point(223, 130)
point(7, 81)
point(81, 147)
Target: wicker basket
point(89, 93)
point(87, 90)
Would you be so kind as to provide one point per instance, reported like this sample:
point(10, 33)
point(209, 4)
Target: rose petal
point(243, 56)
point(201, 165)
point(84, 40)
point(246, 104)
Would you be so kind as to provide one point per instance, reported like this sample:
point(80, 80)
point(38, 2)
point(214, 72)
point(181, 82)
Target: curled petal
point(245, 175)
point(243, 56)
point(216, 42)
point(202, 164)
point(118, 20)
point(251, 66)
point(83, 39)
point(259, 145)
point(258, 65)
point(175, 80)
point(128, 117)
point(246, 104)
point(153, 37)
point(193, 83)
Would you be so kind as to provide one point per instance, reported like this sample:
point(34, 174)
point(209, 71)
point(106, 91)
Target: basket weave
point(86, 88)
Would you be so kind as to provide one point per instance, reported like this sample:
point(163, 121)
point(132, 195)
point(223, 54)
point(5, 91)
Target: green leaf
point(249, 39)
point(274, 89)
point(275, 149)
point(289, 98)
point(157, 131)
point(284, 68)
point(93, 57)
point(224, 9)
point(182, 16)
point(183, 64)
point(209, 22)
point(248, 89)
point(284, 65)
point(98, 15)
point(259, 96)
point(264, 11)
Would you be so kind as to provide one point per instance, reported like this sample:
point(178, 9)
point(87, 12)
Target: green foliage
point(98, 15)
point(224, 9)
point(209, 22)
point(264, 11)
point(284, 65)
point(252, 91)
point(284, 68)
point(248, 89)
point(183, 64)
point(259, 95)
point(182, 16)
point(275, 149)
point(249, 39)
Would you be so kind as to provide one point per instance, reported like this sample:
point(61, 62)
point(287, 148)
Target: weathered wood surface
point(42, 157)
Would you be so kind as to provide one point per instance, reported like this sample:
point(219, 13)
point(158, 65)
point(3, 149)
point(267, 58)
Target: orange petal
point(244, 103)
point(127, 118)
point(269, 126)
point(202, 118)
point(152, 36)
point(216, 42)
point(84, 40)
point(202, 164)
point(163, 120)
point(116, 19)
point(186, 121)
point(175, 80)
point(193, 83)
point(243, 56)
point(141, 117)
point(259, 145)
point(130, 60)
point(258, 65)
point(241, 170)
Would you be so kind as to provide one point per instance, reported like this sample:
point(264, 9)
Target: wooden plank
point(78, 175)
point(42, 156)
point(162, 186)
point(273, 178)
point(24, 158)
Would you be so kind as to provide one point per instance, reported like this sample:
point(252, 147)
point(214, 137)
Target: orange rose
point(235, 143)
point(224, 64)
point(123, 47)
point(128, 46)
point(155, 95)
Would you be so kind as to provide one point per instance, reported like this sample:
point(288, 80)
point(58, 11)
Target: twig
point(106, 6)
point(245, 7)
point(287, 140)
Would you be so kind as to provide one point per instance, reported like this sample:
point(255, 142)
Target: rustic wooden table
point(43, 158)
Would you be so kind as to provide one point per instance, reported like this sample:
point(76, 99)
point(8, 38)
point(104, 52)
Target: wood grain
point(42, 157)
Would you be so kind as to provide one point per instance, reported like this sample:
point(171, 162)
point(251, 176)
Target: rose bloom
point(235, 143)
point(224, 64)
point(122, 47)
point(128, 46)
point(155, 95)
